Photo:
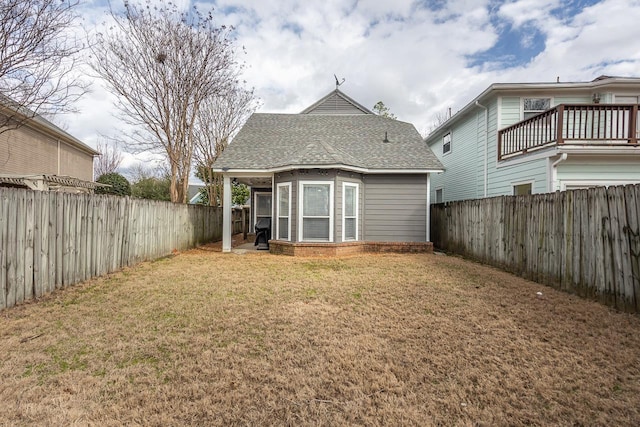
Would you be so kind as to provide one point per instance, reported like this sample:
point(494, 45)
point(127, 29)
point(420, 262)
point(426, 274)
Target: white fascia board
point(600, 150)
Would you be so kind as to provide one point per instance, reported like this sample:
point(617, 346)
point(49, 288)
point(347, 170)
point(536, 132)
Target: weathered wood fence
point(583, 241)
point(51, 240)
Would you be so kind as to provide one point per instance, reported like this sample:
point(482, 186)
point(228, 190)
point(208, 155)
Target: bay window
point(283, 231)
point(349, 211)
point(316, 211)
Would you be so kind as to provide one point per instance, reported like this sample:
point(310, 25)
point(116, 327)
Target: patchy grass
point(205, 338)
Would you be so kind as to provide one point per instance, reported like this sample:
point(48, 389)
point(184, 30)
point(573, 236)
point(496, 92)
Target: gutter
point(486, 146)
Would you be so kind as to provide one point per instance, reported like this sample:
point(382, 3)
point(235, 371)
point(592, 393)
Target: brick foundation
point(280, 247)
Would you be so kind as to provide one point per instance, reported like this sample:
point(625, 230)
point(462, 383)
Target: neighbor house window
point(349, 211)
point(522, 189)
point(439, 195)
point(316, 211)
point(446, 143)
point(534, 106)
point(284, 211)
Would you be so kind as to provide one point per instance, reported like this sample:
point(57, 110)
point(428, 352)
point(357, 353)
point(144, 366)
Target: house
point(39, 155)
point(193, 193)
point(334, 178)
point(526, 138)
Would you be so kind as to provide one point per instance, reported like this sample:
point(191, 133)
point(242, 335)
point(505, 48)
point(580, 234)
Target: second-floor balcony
point(571, 124)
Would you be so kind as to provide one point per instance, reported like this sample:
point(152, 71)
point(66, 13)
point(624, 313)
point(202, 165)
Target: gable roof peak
point(336, 102)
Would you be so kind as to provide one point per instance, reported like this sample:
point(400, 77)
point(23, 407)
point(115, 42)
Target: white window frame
point(344, 208)
point(279, 214)
point(515, 184)
point(522, 110)
point(301, 185)
point(435, 195)
point(448, 134)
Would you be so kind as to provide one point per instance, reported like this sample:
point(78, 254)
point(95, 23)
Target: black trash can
point(263, 233)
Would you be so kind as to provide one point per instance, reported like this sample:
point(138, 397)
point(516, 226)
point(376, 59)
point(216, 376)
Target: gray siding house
point(334, 178)
point(527, 138)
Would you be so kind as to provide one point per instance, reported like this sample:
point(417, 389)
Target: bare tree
point(109, 159)
point(219, 119)
point(162, 64)
point(438, 119)
point(37, 60)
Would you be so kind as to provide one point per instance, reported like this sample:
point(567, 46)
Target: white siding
point(591, 170)
point(461, 163)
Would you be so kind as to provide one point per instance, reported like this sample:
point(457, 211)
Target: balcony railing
point(577, 124)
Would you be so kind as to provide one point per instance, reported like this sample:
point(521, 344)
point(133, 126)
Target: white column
point(428, 207)
point(226, 214)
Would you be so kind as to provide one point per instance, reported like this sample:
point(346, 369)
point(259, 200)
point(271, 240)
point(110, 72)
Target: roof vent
point(385, 138)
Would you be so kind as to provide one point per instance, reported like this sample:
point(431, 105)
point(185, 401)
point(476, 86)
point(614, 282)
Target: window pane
point(446, 143)
point(283, 199)
point(316, 200)
point(439, 196)
point(537, 104)
point(349, 201)
point(263, 203)
point(315, 229)
point(350, 228)
point(522, 189)
point(283, 228)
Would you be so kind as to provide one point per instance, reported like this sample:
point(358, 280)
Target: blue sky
point(418, 57)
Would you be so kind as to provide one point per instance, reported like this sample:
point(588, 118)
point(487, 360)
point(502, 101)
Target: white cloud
point(411, 57)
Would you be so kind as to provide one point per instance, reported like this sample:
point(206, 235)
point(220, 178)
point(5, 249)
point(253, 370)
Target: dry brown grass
point(206, 338)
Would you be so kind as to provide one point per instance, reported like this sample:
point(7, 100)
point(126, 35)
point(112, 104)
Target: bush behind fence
point(583, 241)
point(50, 240)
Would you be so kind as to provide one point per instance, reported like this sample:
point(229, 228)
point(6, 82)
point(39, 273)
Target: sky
point(419, 57)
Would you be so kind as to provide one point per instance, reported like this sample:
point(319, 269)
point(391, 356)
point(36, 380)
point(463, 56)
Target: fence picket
point(53, 240)
point(583, 241)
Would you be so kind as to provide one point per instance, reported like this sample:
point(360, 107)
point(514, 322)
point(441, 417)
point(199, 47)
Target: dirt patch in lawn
point(206, 338)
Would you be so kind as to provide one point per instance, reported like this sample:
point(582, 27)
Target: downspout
point(486, 147)
point(554, 172)
point(58, 158)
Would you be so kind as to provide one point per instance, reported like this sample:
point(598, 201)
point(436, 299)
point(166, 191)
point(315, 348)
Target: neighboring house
point(333, 178)
point(41, 156)
point(193, 193)
point(529, 138)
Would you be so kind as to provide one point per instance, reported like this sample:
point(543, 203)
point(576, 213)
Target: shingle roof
point(274, 141)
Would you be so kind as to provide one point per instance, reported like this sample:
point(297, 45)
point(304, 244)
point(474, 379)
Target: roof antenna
point(338, 83)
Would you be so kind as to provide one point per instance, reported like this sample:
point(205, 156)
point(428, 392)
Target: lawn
point(205, 338)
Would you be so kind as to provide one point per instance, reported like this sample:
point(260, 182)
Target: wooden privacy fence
point(51, 240)
point(583, 241)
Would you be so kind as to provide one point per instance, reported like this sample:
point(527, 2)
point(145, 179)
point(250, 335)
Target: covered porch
point(259, 181)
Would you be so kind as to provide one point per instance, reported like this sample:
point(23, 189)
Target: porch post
point(428, 207)
point(226, 214)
